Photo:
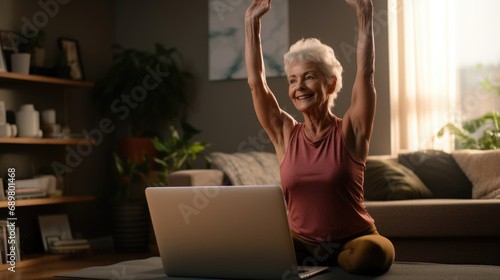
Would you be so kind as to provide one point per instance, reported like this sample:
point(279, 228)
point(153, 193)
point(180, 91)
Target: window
point(435, 47)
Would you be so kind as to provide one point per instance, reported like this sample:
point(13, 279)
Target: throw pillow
point(439, 172)
point(251, 168)
point(483, 170)
point(387, 180)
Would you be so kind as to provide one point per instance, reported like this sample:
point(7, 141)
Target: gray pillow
point(439, 172)
point(250, 168)
point(388, 180)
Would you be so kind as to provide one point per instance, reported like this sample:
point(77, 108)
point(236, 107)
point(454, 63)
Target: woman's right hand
point(258, 9)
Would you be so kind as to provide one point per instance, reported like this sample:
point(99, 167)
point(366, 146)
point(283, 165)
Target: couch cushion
point(250, 168)
point(483, 170)
point(439, 172)
point(389, 180)
point(436, 217)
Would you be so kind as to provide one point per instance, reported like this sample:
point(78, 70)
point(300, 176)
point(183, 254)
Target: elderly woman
point(322, 160)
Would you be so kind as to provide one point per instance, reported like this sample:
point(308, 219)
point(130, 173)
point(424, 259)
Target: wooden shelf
point(35, 260)
point(8, 76)
point(45, 141)
point(50, 200)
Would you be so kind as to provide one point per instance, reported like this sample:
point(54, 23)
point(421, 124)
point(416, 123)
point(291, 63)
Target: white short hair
point(313, 50)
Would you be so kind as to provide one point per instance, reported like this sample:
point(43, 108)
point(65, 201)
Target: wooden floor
point(45, 271)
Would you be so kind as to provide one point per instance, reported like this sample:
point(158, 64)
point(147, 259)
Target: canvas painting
point(227, 38)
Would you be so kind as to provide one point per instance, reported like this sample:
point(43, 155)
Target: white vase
point(28, 121)
point(20, 62)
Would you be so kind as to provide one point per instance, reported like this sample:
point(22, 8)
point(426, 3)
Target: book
point(2, 246)
point(3, 230)
point(2, 194)
point(5, 233)
point(66, 249)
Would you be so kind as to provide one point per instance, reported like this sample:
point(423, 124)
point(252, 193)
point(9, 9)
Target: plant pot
point(135, 147)
point(131, 228)
point(137, 190)
point(21, 62)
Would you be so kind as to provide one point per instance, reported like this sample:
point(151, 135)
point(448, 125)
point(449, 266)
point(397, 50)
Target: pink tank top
point(323, 187)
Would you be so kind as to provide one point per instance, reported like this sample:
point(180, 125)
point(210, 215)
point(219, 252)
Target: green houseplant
point(142, 87)
point(174, 153)
point(178, 151)
point(36, 40)
point(463, 134)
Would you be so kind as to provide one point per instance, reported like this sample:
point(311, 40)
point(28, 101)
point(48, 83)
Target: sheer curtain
point(422, 73)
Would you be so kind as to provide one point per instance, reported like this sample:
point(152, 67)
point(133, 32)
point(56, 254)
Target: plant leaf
point(119, 164)
point(188, 131)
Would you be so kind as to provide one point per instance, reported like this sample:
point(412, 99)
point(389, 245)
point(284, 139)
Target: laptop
point(236, 232)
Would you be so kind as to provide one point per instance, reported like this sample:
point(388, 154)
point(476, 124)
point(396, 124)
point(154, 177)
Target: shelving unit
point(45, 141)
point(49, 200)
point(34, 260)
point(17, 77)
point(18, 81)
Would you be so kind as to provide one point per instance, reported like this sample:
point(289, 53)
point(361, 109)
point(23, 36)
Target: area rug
point(151, 268)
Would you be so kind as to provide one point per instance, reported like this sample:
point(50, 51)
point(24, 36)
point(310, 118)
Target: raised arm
point(359, 117)
point(276, 122)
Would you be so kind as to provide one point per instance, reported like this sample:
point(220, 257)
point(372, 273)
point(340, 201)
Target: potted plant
point(35, 48)
point(178, 152)
point(141, 88)
point(131, 224)
point(33, 44)
point(130, 209)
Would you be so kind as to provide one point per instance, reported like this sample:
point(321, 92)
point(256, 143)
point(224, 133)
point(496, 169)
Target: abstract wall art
point(227, 38)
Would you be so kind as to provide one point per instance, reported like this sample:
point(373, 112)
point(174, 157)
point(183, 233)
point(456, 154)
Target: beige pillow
point(483, 170)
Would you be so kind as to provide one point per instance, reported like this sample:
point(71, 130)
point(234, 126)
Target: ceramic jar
point(28, 121)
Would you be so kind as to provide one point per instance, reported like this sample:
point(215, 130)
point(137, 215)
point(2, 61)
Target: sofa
point(434, 206)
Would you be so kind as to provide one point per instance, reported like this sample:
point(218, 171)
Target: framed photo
point(74, 61)
point(54, 228)
point(9, 42)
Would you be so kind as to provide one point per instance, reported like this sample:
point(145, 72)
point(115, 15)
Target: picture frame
point(72, 54)
point(226, 40)
point(9, 41)
point(52, 226)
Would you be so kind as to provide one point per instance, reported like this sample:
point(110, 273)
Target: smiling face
point(308, 87)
